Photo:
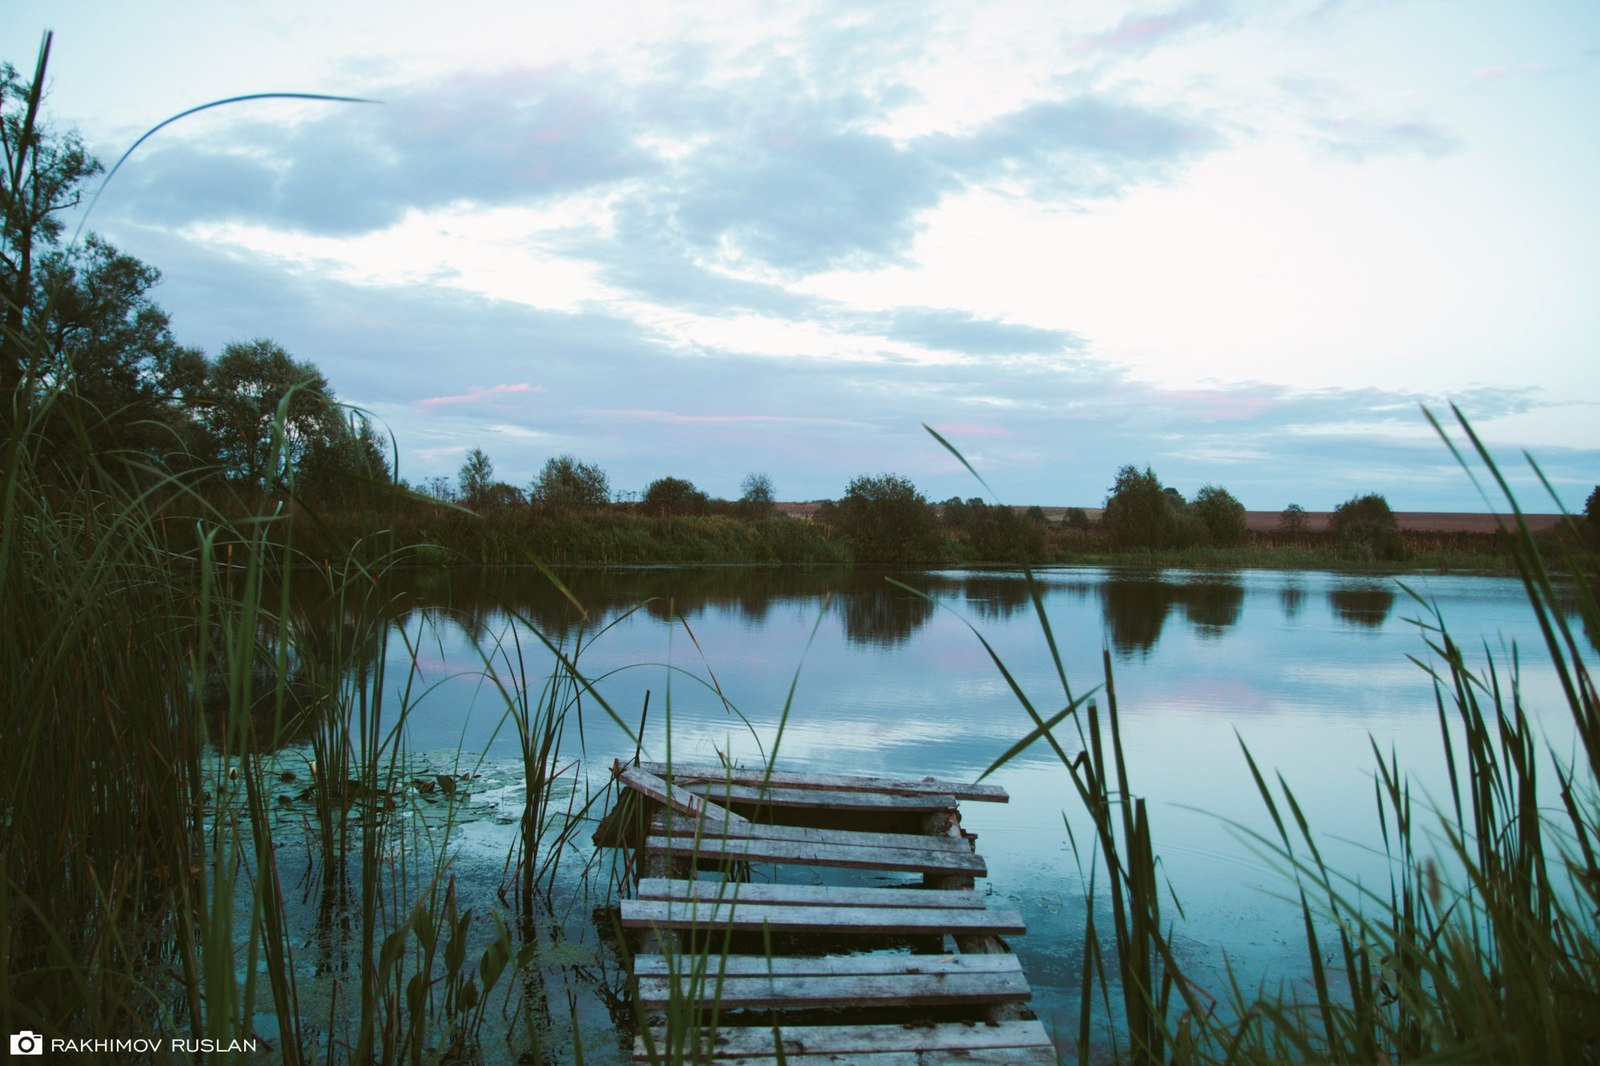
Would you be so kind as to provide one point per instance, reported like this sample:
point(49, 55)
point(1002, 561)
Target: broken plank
point(676, 797)
point(780, 918)
point(905, 860)
point(828, 799)
point(708, 827)
point(1022, 1040)
point(686, 773)
point(807, 895)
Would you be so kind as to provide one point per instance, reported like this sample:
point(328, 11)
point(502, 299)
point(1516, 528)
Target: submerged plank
point(807, 895)
point(921, 860)
point(1024, 1041)
point(685, 773)
point(710, 827)
point(781, 918)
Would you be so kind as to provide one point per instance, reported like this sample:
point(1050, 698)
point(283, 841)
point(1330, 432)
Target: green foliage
point(889, 521)
point(1076, 518)
point(757, 496)
point(1221, 514)
point(567, 484)
point(673, 496)
point(1365, 528)
point(1139, 512)
point(475, 477)
point(1292, 520)
point(244, 390)
point(1591, 512)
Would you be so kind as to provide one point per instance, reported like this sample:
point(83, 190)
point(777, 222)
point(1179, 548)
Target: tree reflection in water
point(1362, 605)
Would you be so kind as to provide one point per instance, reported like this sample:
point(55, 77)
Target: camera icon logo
point(27, 1043)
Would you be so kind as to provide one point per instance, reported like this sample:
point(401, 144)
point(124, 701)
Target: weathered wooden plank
point(908, 860)
point(686, 825)
point(829, 799)
point(749, 1045)
point(1041, 1056)
point(685, 772)
point(806, 895)
point(813, 965)
point(791, 991)
point(674, 796)
point(780, 918)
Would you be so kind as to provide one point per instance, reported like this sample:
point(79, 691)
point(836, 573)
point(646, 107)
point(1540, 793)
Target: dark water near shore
point(1311, 670)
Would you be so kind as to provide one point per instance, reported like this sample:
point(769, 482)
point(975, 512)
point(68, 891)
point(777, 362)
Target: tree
point(1591, 511)
point(567, 484)
point(266, 412)
point(345, 459)
point(1222, 515)
point(44, 174)
point(1139, 512)
point(673, 496)
point(1365, 527)
point(475, 477)
point(101, 340)
point(1292, 520)
point(756, 495)
point(889, 520)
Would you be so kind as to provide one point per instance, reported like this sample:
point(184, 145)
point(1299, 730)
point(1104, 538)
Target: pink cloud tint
point(475, 394)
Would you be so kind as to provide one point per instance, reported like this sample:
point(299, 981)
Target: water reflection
point(1362, 605)
point(1292, 597)
point(1136, 608)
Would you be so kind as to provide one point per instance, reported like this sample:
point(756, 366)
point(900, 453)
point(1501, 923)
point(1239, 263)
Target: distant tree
point(673, 496)
point(1292, 520)
point(888, 520)
point(567, 484)
point(1036, 515)
point(439, 487)
point(1591, 511)
point(1221, 514)
point(1366, 527)
point(1076, 518)
point(1002, 535)
point(475, 477)
point(955, 511)
point(1139, 512)
point(756, 495)
point(246, 390)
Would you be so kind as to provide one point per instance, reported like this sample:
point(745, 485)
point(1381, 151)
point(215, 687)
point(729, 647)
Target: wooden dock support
point(719, 822)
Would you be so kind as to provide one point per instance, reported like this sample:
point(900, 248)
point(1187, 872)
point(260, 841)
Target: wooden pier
point(731, 970)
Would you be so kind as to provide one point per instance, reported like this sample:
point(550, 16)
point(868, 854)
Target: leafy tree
point(1292, 520)
point(1036, 515)
point(756, 495)
point(567, 484)
point(349, 457)
point(1222, 515)
point(888, 520)
point(247, 390)
point(1139, 512)
point(102, 341)
point(673, 496)
point(44, 174)
point(1591, 511)
point(1076, 518)
point(1002, 535)
point(475, 477)
point(1365, 527)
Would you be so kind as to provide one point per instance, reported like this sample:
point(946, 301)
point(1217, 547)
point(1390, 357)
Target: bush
point(673, 496)
point(1221, 514)
point(1365, 528)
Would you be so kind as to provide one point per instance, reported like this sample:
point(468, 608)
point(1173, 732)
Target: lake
point(1310, 670)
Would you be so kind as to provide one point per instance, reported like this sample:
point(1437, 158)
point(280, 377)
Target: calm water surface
point(1310, 670)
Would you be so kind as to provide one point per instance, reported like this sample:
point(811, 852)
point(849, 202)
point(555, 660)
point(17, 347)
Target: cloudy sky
point(1241, 243)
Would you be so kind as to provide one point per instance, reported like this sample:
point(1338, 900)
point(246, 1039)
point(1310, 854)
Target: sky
point(1242, 244)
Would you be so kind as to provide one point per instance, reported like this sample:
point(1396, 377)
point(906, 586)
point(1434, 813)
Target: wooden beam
point(877, 963)
point(686, 773)
point(677, 797)
point(781, 918)
point(806, 895)
point(829, 799)
point(1022, 1041)
point(800, 853)
point(829, 990)
point(680, 825)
